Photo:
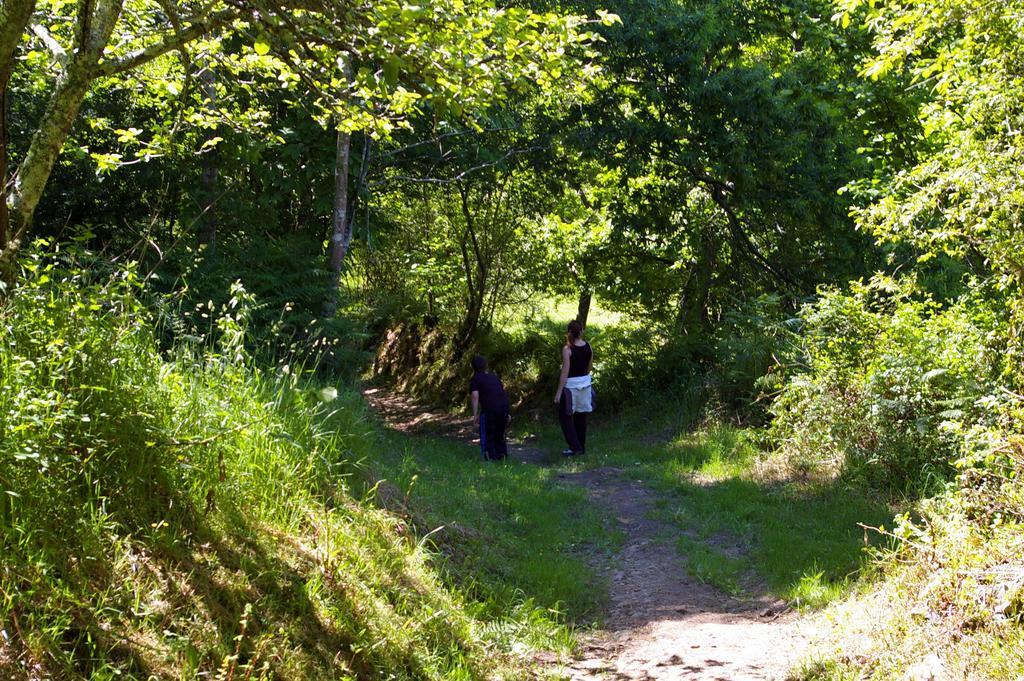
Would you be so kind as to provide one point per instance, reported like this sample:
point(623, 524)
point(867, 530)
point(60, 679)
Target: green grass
point(189, 514)
point(554, 313)
point(741, 530)
point(950, 596)
point(512, 529)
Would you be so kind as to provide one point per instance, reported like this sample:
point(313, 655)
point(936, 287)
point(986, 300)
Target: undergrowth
point(901, 393)
point(188, 513)
point(949, 598)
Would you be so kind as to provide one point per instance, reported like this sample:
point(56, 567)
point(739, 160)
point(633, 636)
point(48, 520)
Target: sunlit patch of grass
point(517, 531)
point(826, 670)
point(800, 537)
point(814, 590)
point(712, 566)
point(708, 456)
point(527, 316)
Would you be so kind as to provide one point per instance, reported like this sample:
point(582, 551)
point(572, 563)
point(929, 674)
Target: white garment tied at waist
point(582, 396)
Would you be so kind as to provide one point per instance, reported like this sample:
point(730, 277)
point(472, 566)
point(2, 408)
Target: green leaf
point(391, 67)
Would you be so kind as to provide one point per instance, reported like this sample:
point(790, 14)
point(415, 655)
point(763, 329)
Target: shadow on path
point(405, 415)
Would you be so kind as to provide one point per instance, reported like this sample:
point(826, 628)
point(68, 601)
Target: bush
point(886, 377)
point(81, 399)
point(950, 583)
point(288, 285)
point(752, 342)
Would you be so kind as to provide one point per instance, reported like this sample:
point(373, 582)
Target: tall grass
point(190, 513)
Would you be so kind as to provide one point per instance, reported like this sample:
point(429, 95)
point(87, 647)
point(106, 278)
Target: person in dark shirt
point(490, 410)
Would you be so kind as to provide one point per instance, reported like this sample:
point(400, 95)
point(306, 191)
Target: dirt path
point(662, 624)
point(407, 416)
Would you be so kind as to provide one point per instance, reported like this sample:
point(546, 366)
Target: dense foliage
point(803, 216)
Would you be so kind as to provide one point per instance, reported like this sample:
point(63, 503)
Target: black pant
point(574, 426)
point(495, 422)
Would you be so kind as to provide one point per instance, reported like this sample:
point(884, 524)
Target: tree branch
point(719, 191)
point(439, 138)
point(58, 52)
point(199, 27)
point(465, 173)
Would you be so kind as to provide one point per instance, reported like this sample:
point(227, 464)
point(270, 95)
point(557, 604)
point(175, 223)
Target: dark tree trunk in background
point(340, 224)
point(208, 180)
point(693, 302)
point(353, 204)
point(477, 272)
point(583, 309)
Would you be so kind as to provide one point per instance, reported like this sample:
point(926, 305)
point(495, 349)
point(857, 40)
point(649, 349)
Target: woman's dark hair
point(479, 363)
point(575, 329)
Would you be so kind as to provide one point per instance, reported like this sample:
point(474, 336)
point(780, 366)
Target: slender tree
point(340, 224)
point(80, 66)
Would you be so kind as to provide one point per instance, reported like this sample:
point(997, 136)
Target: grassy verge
point(191, 515)
point(745, 525)
point(510, 532)
point(948, 604)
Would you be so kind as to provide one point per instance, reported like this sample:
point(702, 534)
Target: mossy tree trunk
point(14, 18)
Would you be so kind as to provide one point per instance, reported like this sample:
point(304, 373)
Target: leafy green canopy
point(356, 66)
point(963, 197)
point(725, 130)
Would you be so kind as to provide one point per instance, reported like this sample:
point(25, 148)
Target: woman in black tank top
point(577, 360)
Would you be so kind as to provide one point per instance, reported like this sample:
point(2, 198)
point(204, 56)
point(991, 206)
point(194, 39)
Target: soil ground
point(661, 623)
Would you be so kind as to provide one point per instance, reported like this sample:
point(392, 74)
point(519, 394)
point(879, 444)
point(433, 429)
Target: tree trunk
point(7, 274)
point(208, 179)
point(14, 18)
point(474, 303)
point(693, 303)
point(97, 20)
point(477, 275)
point(340, 224)
point(353, 205)
point(583, 309)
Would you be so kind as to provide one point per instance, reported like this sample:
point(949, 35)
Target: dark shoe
point(567, 452)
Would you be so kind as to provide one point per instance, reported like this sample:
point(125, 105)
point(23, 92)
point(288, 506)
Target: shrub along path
point(660, 623)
